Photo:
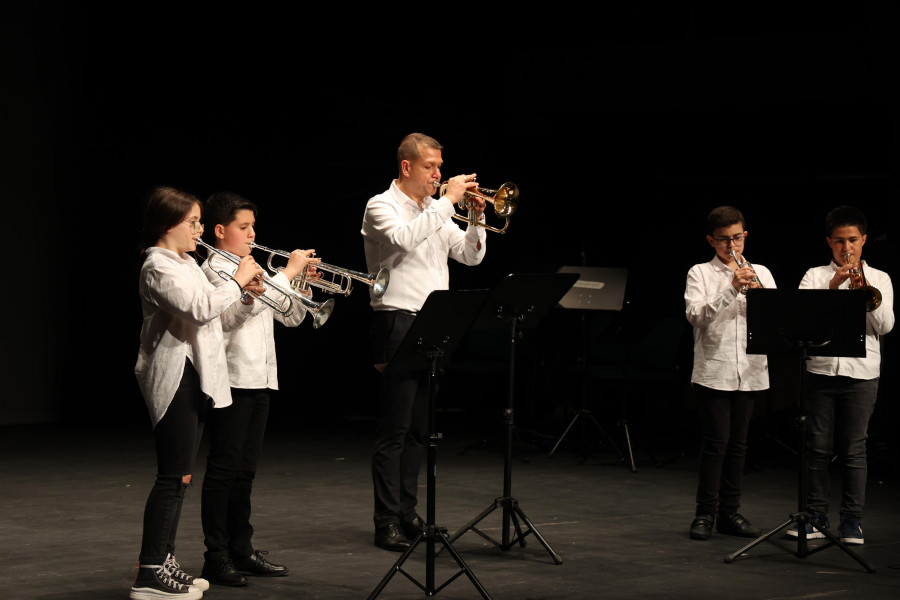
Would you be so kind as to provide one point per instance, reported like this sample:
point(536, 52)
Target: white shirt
point(414, 244)
point(878, 322)
point(718, 314)
point(181, 320)
point(249, 335)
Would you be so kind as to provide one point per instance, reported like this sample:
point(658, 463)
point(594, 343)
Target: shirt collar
point(404, 199)
point(168, 253)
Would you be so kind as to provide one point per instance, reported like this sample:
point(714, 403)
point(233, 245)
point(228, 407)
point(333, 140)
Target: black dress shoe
point(701, 528)
point(735, 524)
point(222, 572)
point(412, 528)
point(256, 564)
point(390, 537)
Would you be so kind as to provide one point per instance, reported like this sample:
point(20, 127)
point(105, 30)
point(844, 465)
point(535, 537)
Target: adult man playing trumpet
point(842, 390)
point(412, 234)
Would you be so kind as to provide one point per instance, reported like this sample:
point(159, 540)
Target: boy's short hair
point(724, 216)
point(845, 216)
point(222, 207)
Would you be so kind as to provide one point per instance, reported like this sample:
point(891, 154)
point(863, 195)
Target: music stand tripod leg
point(434, 354)
point(803, 517)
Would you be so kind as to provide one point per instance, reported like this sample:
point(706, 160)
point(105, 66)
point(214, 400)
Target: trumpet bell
point(380, 283)
point(322, 312)
point(505, 199)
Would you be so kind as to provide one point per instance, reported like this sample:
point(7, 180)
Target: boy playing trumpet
point(842, 390)
point(725, 378)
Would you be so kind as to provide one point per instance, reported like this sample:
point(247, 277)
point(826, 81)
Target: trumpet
point(340, 280)
point(320, 310)
point(858, 282)
point(741, 264)
point(505, 201)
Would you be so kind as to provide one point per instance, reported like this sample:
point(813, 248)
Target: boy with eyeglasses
point(725, 378)
point(842, 390)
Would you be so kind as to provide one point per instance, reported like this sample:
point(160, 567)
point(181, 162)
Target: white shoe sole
point(152, 594)
point(816, 534)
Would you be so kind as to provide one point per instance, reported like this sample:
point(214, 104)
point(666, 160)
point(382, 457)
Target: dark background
point(622, 128)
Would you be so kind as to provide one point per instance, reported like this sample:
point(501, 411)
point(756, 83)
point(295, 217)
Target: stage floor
point(72, 500)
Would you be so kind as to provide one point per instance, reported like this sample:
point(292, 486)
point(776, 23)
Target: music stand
point(598, 288)
point(435, 334)
point(805, 323)
point(518, 302)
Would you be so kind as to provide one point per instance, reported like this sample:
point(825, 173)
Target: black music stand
point(428, 345)
point(805, 323)
point(518, 302)
point(598, 288)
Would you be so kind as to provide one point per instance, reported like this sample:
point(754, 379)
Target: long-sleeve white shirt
point(718, 314)
point(878, 322)
point(414, 245)
point(182, 312)
point(249, 335)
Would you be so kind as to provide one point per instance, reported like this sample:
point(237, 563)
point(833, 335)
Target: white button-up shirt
point(414, 244)
point(249, 335)
point(181, 320)
point(878, 322)
point(718, 314)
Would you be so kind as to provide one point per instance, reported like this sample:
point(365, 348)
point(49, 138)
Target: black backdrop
point(622, 128)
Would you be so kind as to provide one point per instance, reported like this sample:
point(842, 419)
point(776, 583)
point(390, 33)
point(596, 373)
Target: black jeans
point(725, 421)
point(838, 413)
point(177, 436)
point(401, 426)
point(235, 443)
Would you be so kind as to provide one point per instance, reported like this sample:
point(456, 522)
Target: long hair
point(164, 208)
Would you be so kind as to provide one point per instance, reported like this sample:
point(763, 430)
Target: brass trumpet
point(858, 282)
point(340, 281)
point(505, 201)
point(320, 310)
point(741, 264)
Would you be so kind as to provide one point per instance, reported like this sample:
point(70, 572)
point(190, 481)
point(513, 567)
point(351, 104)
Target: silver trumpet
point(741, 264)
point(320, 310)
point(340, 280)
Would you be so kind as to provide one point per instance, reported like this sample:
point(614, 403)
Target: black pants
point(177, 436)
point(401, 425)
point(838, 413)
point(725, 421)
point(235, 443)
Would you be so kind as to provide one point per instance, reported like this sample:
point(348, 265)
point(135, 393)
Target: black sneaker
point(735, 524)
point(701, 528)
point(174, 570)
point(154, 583)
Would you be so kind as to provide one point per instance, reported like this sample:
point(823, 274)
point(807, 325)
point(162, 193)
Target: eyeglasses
point(723, 242)
point(196, 226)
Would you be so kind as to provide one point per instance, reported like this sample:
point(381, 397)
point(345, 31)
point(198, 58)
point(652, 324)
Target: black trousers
point(236, 435)
point(725, 421)
point(177, 436)
point(401, 425)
